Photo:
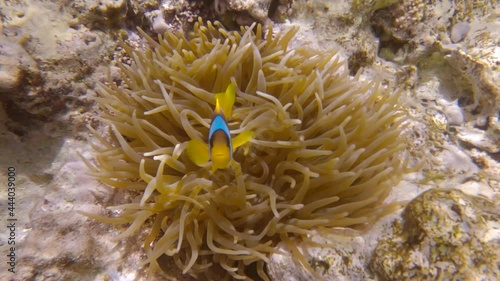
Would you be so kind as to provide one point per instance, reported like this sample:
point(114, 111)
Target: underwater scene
point(256, 140)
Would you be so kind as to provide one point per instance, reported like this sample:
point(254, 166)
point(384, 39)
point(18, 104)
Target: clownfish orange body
point(220, 144)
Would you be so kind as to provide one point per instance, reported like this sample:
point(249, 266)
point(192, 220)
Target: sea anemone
point(325, 152)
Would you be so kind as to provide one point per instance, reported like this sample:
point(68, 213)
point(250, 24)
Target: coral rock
point(341, 258)
point(459, 31)
point(13, 60)
point(446, 235)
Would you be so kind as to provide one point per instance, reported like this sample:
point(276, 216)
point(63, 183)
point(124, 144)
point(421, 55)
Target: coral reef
point(175, 15)
point(244, 12)
point(336, 255)
point(334, 24)
point(444, 235)
point(326, 151)
point(453, 54)
point(424, 39)
point(48, 69)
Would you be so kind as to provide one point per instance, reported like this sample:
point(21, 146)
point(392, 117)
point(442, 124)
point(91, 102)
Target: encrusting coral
point(325, 151)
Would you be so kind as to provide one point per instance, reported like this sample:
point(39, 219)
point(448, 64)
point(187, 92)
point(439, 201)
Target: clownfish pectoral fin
point(242, 139)
point(197, 151)
point(225, 101)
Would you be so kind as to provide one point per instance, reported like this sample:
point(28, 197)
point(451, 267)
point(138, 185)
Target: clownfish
point(220, 146)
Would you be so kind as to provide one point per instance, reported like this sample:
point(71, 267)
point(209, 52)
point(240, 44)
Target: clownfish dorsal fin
point(224, 101)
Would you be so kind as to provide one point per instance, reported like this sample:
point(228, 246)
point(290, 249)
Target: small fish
point(220, 146)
